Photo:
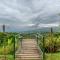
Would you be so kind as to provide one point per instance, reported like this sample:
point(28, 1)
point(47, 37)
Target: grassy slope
point(53, 56)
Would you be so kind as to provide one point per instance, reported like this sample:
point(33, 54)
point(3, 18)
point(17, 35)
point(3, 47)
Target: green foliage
point(52, 56)
point(8, 44)
point(51, 42)
point(7, 41)
point(2, 36)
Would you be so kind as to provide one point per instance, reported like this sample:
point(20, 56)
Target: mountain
point(46, 29)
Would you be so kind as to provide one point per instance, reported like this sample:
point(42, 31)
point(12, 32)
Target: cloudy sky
point(20, 15)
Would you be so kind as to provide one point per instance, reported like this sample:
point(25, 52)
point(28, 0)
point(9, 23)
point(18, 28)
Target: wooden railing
point(20, 42)
point(40, 48)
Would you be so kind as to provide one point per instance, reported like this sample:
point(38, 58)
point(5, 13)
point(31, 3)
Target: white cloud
point(48, 25)
point(29, 12)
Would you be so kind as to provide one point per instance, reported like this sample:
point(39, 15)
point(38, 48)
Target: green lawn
point(7, 57)
point(52, 56)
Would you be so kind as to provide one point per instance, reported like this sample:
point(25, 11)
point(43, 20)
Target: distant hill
point(55, 29)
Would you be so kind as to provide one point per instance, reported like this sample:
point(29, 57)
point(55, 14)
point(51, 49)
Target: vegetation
point(50, 45)
point(52, 56)
point(8, 44)
point(48, 42)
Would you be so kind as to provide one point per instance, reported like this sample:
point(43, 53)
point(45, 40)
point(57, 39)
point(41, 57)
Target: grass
point(52, 56)
point(7, 57)
point(10, 57)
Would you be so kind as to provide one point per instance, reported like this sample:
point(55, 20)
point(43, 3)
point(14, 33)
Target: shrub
point(52, 43)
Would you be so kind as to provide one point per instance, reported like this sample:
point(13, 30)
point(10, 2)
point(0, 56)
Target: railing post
point(4, 50)
point(51, 33)
point(14, 46)
point(21, 41)
point(43, 49)
point(37, 38)
point(3, 28)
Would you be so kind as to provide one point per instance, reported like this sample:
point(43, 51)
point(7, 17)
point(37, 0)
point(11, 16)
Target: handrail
point(43, 49)
point(41, 52)
point(14, 47)
point(21, 43)
point(39, 49)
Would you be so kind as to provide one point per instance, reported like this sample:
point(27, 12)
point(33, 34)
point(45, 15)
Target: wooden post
point(52, 38)
point(43, 49)
point(14, 46)
point(4, 50)
point(3, 28)
point(37, 38)
point(21, 40)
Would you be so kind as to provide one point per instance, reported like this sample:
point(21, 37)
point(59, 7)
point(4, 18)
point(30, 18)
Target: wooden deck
point(29, 51)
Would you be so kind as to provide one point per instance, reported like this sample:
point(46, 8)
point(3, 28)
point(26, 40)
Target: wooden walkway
point(29, 51)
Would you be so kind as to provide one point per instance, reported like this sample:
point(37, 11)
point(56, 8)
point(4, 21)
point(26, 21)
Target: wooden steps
point(29, 51)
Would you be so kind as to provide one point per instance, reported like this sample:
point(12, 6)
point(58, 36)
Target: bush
point(52, 43)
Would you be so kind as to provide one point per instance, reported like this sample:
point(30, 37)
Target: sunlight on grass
point(7, 57)
point(10, 57)
point(52, 56)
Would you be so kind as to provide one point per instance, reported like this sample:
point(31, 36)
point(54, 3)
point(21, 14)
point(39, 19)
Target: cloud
point(29, 13)
point(48, 25)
